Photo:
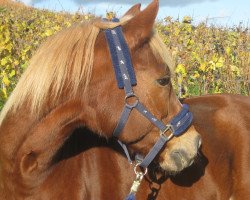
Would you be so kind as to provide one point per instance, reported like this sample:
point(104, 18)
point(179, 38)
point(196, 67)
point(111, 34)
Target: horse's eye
point(163, 81)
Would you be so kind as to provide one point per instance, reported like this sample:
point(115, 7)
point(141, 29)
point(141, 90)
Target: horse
point(219, 172)
point(70, 85)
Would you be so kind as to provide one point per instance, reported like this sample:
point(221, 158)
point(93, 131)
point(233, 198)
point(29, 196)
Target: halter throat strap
point(126, 79)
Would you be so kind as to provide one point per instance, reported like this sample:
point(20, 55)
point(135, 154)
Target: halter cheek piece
point(126, 79)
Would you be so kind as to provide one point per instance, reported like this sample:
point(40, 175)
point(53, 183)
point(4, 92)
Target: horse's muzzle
point(182, 158)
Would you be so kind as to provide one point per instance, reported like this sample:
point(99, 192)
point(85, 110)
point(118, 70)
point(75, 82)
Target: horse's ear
point(140, 27)
point(134, 10)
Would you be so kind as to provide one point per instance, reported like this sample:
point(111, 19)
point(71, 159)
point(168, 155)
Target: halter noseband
point(126, 79)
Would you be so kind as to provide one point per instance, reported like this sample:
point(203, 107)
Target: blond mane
point(64, 61)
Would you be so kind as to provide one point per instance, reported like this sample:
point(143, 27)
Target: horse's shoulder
point(223, 113)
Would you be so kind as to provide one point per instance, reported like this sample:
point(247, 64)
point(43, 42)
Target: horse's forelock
point(161, 51)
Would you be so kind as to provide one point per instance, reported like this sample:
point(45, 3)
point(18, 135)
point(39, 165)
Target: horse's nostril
point(181, 159)
point(177, 159)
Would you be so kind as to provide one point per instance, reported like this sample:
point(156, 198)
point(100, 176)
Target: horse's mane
point(64, 61)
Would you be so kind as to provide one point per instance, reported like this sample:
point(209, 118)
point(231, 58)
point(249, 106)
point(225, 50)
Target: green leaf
point(4, 91)
point(4, 61)
point(12, 73)
point(6, 81)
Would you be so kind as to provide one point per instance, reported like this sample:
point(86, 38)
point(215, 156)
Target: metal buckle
point(163, 133)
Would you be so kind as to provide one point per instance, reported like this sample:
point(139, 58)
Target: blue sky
point(219, 12)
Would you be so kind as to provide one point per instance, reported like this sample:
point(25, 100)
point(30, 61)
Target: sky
point(227, 13)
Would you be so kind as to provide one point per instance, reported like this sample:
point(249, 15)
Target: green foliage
point(209, 59)
point(22, 30)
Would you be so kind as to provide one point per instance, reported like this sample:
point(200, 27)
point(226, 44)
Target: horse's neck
point(92, 163)
point(13, 131)
point(28, 144)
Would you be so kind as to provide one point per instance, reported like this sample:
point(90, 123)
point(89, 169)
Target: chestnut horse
point(220, 171)
point(70, 83)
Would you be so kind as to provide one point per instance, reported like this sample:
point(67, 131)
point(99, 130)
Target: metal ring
point(137, 172)
point(133, 104)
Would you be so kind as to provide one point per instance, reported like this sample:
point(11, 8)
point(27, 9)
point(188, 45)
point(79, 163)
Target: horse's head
point(153, 67)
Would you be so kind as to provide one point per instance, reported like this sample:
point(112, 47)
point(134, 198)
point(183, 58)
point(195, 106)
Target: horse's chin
point(175, 166)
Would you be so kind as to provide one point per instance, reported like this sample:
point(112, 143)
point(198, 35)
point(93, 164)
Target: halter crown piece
point(126, 79)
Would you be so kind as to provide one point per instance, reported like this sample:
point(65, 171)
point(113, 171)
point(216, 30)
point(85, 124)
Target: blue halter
point(126, 79)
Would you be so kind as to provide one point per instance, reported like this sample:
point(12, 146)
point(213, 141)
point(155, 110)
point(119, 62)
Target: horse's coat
point(214, 175)
point(70, 83)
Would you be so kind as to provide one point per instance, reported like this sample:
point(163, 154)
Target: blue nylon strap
point(154, 151)
point(126, 54)
point(181, 114)
point(182, 124)
point(115, 60)
point(121, 60)
point(179, 124)
point(122, 121)
point(125, 149)
point(118, 59)
point(142, 109)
